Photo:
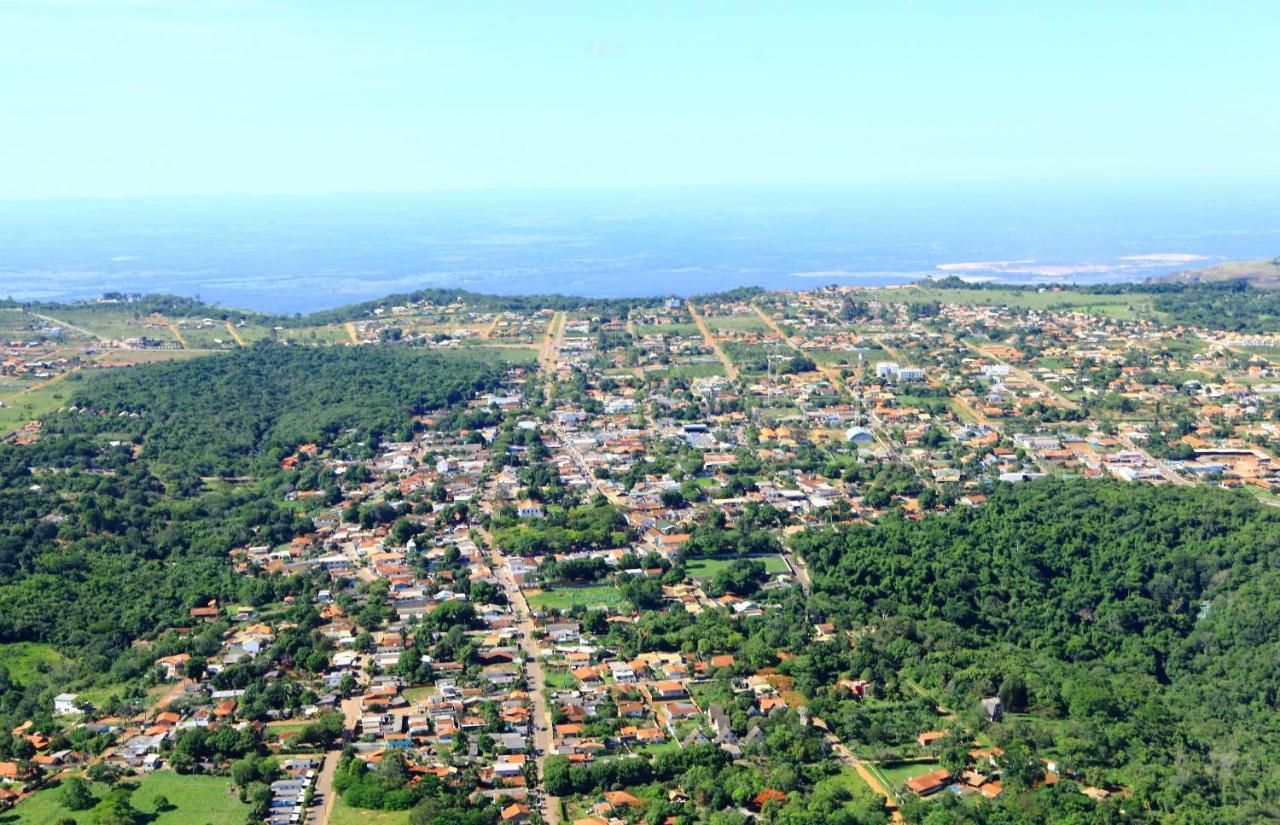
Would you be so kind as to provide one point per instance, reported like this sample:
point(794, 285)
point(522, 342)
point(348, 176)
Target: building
point(929, 783)
point(65, 703)
point(858, 435)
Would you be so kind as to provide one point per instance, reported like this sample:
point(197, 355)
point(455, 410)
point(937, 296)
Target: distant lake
point(297, 254)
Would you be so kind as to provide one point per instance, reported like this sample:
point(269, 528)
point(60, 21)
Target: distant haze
point(297, 254)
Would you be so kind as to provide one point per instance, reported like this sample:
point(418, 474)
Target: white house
point(65, 703)
point(531, 509)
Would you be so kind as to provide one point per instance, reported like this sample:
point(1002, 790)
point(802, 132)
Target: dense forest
point(108, 532)
point(1134, 626)
point(242, 412)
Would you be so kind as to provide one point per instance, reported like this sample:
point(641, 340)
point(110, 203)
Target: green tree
point(77, 795)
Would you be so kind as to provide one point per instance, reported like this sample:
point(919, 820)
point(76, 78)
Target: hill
point(1263, 274)
point(1126, 626)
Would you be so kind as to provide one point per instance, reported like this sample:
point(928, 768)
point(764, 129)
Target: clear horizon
point(133, 98)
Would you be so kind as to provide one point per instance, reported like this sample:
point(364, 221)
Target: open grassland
point(563, 598)
point(1115, 306)
point(344, 814)
point(710, 568)
point(25, 659)
point(195, 800)
point(31, 403)
point(737, 323)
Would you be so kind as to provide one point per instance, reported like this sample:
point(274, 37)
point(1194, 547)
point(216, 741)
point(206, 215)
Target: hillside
point(1120, 623)
point(1263, 274)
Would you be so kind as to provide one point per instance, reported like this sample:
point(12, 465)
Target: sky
point(103, 98)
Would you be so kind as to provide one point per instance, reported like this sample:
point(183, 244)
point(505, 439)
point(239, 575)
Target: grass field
point(504, 354)
point(709, 568)
point(848, 779)
point(560, 679)
point(26, 659)
point(22, 407)
point(898, 774)
point(697, 370)
point(344, 814)
point(1114, 306)
point(196, 800)
point(738, 323)
point(566, 597)
point(678, 330)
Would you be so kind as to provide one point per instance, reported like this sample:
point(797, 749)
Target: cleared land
point(194, 799)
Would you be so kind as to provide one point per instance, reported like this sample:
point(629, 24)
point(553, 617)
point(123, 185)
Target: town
point(489, 599)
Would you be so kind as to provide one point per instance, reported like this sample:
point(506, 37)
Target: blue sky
point(130, 97)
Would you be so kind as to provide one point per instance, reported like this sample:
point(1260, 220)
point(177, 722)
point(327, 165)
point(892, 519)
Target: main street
point(533, 665)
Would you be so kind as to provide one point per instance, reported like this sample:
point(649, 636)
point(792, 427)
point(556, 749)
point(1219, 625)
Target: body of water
point(298, 254)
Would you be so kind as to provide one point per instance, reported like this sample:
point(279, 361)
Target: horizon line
point(872, 184)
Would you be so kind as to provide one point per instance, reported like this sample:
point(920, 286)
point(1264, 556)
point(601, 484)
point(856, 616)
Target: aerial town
point(486, 591)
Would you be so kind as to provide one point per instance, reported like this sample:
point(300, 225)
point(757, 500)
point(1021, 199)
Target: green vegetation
point(244, 411)
point(192, 799)
point(24, 660)
point(344, 814)
point(1135, 618)
point(1233, 305)
point(710, 568)
point(566, 598)
point(100, 546)
point(578, 528)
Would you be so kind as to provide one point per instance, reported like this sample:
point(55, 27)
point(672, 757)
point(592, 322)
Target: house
point(929, 737)
point(530, 509)
point(65, 703)
point(929, 783)
point(208, 613)
point(621, 800)
point(173, 665)
point(515, 814)
point(993, 708)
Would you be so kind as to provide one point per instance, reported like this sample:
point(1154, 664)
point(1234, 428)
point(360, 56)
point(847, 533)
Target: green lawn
point(709, 568)
point(740, 323)
point(566, 597)
point(899, 774)
point(560, 679)
point(197, 800)
point(678, 330)
point(344, 814)
point(505, 354)
point(848, 779)
point(696, 370)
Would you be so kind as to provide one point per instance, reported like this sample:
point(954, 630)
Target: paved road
point(537, 678)
point(1165, 470)
point(323, 799)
